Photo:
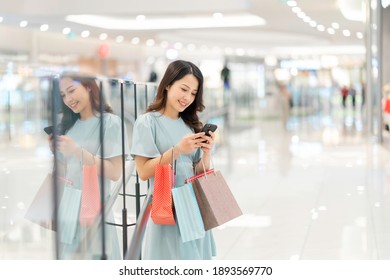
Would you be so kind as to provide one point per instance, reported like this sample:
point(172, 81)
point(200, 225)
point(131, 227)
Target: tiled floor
point(318, 189)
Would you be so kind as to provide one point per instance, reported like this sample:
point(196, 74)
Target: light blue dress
point(87, 134)
point(154, 134)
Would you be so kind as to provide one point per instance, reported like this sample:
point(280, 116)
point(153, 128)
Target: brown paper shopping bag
point(216, 202)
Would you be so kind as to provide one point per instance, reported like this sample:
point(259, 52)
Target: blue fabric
point(150, 139)
point(87, 134)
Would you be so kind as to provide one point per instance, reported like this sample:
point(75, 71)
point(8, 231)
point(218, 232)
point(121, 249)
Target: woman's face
point(181, 94)
point(76, 97)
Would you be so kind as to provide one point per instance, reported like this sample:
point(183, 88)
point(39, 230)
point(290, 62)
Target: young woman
point(79, 144)
point(172, 120)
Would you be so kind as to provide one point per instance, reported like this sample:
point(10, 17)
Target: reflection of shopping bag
point(216, 202)
point(162, 207)
point(41, 209)
point(386, 108)
point(90, 196)
point(187, 212)
point(68, 214)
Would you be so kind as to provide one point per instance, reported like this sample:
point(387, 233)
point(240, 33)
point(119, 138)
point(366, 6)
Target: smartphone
point(49, 129)
point(209, 127)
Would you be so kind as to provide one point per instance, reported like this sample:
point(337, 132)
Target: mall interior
point(309, 169)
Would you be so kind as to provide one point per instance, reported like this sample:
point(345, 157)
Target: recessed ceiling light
point(217, 15)
point(112, 23)
point(320, 27)
point(140, 18)
point(346, 33)
point(150, 42)
point(330, 30)
point(191, 47)
point(44, 27)
point(66, 31)
point(292, 3)
point(296, 10)
point(178, 45)
point(1, 19)
point(85, 34)
point(164, 44)
point(103, 36)
point(359, 35)
point(335, 25)
point(23, 23)
point(135, 40)
point(119, 39)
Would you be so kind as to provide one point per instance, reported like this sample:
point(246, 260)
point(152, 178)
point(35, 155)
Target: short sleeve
point(144, 143)
point(113, 137)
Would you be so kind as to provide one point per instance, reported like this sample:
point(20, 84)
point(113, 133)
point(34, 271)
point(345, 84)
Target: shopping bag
point(68, 214)
point(90, 196)
point(162, 207)
point(189, 219)
point(216, 202)
point(41, 209)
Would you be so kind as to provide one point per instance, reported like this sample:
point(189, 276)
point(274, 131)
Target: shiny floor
point(314, 187)
point(318, 190)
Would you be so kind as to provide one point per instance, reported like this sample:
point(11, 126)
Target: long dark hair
point(68, 116)
point(175, 71)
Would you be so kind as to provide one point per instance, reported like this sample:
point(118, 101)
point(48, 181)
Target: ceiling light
point(171, 54)
point(313, 23)
point(66, 31)
point(346, 33)
point(135, 41)
point(1, 19)
point(330, 30)
point(178, 46)
point(292, 3)
point(191, 47)
point(140, 18)
point(335, 25)
point(119, 39)
point(150, 42)
point(296, 10)
point(44, 27)
point(164, 44)
point(217, 15)
point(352, 10)
point(167, 23)
point(103, 36)
point(359, 35)
point(85, 34)
point(23, 23)
point(320, 27)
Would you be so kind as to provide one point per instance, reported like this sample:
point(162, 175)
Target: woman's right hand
point(191, 142)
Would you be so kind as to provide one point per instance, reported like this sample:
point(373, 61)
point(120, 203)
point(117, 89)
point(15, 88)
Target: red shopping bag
point(90, 196)
point(162, 203)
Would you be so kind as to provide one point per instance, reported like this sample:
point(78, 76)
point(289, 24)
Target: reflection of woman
point(80, 143)
point(172, 120)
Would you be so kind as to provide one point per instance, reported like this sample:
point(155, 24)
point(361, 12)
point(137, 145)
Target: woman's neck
point(170, 114)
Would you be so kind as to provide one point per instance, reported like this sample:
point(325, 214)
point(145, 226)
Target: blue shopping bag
point(68, 214)
point(188, 215)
